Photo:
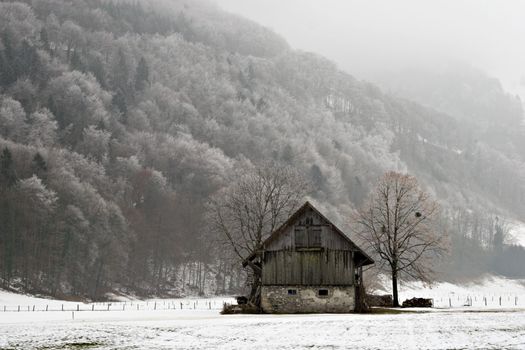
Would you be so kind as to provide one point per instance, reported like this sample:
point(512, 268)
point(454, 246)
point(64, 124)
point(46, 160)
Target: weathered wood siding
point(325, 267)
point(309, 252)
point(329, 238)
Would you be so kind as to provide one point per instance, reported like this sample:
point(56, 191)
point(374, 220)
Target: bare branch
point(397, 226)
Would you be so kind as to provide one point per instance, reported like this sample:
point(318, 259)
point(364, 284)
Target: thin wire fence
point(452, 300)
point(153, 305)
point(480, 300)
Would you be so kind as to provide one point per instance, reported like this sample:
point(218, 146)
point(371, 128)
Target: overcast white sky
point(368, 36)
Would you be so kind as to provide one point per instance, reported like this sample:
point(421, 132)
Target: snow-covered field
point(206, 329)
point(489, 292)
point(162, 324)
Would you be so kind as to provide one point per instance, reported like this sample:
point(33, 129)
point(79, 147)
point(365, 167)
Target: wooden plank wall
point(289, 267)
point(329, 237)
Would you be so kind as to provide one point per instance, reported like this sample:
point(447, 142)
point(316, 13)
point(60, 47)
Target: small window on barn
point(301, 240)
point(292, 291)
point(322, 292)
point(314, 237)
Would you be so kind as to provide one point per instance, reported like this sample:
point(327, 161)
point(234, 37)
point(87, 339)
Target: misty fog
point(368, 38)
point(262, 156)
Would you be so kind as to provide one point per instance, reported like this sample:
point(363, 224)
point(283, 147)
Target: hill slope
point(118, 121)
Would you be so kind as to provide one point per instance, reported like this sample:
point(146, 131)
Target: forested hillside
point(466, 94)
point(119, 119)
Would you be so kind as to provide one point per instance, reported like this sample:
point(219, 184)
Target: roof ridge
point(292, 217)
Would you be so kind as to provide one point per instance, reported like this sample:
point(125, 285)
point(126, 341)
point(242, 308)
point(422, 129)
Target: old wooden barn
point(309, 265)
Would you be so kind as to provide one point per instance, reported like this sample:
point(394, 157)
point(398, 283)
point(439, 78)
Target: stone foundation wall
point(307, 299)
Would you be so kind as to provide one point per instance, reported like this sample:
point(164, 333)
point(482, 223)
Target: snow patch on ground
point(482, 294)
point(517, 233)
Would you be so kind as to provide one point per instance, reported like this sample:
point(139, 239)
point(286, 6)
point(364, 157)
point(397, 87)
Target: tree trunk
point(255, 293)
point(395, 302)
point(360, 293)
point(231, 282)
point(98, 279)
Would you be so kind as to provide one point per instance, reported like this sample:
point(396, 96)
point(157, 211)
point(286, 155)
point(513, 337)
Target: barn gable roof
point(362, 258)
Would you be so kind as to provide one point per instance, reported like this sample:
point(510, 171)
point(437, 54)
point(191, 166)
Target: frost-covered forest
point(119, 120)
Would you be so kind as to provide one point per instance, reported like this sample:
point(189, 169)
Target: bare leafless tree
point(398, 225)
point(257, 202)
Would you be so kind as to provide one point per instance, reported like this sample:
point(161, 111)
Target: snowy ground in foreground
point(163, 324)
point(206, 329)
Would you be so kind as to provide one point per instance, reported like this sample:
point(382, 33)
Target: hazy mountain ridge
point(121, 119)
point(467, 94)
